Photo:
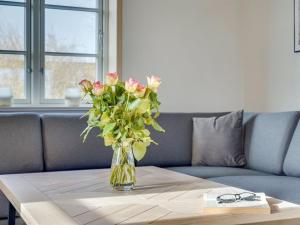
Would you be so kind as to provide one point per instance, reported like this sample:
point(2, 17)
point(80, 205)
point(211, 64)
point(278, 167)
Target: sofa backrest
point(29, 142)
point(64, 148)
point(175, 145)
point(291, 165)
point(20, 143)
point(267, 138)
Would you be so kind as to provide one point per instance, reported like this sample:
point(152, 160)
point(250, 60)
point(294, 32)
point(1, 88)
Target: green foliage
point(157, 127)
point(122, 117)
point(139, 150)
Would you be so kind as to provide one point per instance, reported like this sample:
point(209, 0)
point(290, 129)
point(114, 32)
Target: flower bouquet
point(122, 111)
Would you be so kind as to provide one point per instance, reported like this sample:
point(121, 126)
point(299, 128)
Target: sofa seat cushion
point(211, 171)
point(281, 187)
point(267, 138)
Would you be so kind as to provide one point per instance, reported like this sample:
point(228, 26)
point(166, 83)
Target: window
point(72, 43)
point(67, 46)
point(15, 47)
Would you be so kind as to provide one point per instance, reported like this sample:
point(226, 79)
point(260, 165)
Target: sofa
point(50, 141)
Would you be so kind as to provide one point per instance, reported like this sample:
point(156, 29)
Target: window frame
point(98, 56)
point(34, 52)
point(27, 50)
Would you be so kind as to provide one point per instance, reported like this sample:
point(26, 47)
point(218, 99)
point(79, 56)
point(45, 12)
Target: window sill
point(42, 108)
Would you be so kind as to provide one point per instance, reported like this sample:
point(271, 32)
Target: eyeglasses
point(244, 196)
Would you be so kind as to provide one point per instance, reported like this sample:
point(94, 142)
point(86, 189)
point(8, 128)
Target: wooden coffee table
point(161, 197)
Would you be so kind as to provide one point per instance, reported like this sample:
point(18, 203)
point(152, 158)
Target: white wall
point(273, 83)
point(192, 44)
point(214, 55)
point(253, 42)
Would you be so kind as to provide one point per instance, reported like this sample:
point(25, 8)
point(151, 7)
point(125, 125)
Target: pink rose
point(98, 88)
point(86, 85)
point(131, 85)
point(153, 83)
point(140, 91)
point(112, 79)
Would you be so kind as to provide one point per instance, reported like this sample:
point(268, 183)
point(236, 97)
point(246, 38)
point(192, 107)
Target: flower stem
point(122, 172)
point(127, 102)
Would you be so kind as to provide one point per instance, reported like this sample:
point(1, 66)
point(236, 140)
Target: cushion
point(211, 171)
point(291, 165)
point(20, 147)
point(280, 187)
point(175, 146)
point(218, 141)
point(267, 137)
point(64, 148)
point(20, 143)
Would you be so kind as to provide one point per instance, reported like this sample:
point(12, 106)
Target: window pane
point(12, 74)
point(70, 31)
point(62, 72)
point(12, 28)
point(75, 3)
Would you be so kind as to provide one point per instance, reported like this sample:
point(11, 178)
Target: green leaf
point(157, 127)
point(108, 139)
point(140, 122)
point(148, 121)
point(154, 142)
point(146, 132)
point(156, 115)
point(133, 105)
point(104, 119)
point(86, 132)
point(108, 128)
point(85, 115)
point(121, 99)
point(119, 135)
point(144, 106)
point(139, 150)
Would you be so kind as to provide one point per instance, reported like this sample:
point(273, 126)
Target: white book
point(212, 206)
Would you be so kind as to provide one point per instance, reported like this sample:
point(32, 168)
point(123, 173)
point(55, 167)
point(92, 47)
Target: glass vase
point(122, 176)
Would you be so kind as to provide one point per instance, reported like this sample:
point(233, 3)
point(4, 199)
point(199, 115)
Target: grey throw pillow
point(218, 141)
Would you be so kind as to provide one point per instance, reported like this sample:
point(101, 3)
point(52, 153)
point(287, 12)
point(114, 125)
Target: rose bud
point(153, 83)
point(112, 79)
point(86, 85)
point(140, 91)
point(131, 85)
point(98, 88)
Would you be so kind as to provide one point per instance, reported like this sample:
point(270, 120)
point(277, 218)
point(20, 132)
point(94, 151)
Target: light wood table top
point(161, 197)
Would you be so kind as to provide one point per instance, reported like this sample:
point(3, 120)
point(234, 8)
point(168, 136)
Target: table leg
point(11, 215)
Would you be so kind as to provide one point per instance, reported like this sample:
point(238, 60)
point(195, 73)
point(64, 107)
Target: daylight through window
point(47, 46)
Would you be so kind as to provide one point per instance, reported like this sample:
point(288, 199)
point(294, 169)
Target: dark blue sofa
point(36, 142)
